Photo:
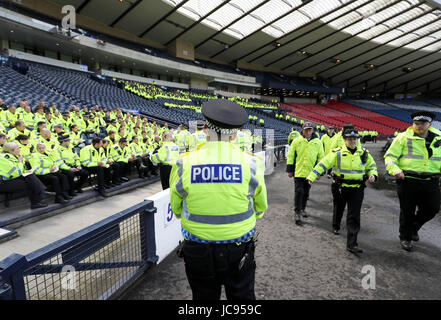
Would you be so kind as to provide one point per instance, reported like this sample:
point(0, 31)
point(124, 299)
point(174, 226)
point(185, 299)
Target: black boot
point(59, 199)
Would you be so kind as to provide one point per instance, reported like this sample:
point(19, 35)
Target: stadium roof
point(394, 41)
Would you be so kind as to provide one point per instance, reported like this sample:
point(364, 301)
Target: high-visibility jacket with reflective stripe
point(14, 133)
point(305, 154)
point(292, 136)
point(408, 152)
point(347, 166)
point(182, 139)
point(10, 167)
point(196, 139)
point(119, 154)
point(50, 144)
point(218, 191)
point(27, 151)
point(42, 163)
point(65, 158)
point(326, 140)
point(167, 154)
point(9, 118)
point(337, 141)
point(28, 118)
point(89, 156)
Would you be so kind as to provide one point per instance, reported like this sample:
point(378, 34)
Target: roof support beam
point(436, 71)
point(395, 59)
point(295, 30)
point(341, 41)
point(429, 64)
point(261, 28)
point(335, 32)
point(197, 22)
point(230, 24)
point(381, 44)
point(163, 18)
point(367, 40)
point(82, 6)
point(133, 6)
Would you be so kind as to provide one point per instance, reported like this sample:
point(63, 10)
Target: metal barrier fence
point(96, 263)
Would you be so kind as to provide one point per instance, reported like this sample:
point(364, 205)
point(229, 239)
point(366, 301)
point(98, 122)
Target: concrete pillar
point(197, 83)
point(182, 49)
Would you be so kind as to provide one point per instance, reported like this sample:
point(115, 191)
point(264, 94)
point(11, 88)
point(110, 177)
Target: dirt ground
point(310, 262)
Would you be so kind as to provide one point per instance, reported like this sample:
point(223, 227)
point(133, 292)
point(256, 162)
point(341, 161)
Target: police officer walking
point(218, 192)
point(414, 158)
point(305, 151)
point(352, 167)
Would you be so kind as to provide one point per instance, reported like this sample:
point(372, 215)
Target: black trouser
point(338, 205)
point(209, 266)
point(103, 175)
point(30, 184)
point(164, 172)
point(148, 163)
point(57, 180)
point(413, 193)
point(301, 194)
point(83, 174)
point(354, 198)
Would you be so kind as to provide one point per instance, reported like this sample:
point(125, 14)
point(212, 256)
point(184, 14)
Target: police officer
point(352, 167)
point(414, 158)
point(326, 140)
point(293, 134)
point(69, 163)
point(165, 157)
point(218, 192)
point(305, 151)
point(12, 168)
point(197, 138)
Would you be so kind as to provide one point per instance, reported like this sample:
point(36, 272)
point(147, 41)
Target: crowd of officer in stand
point(46, 147)
point(413, 158)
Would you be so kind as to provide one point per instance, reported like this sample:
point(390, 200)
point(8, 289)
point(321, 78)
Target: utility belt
point(204, 260)
point(421, 176)
point(340, 180)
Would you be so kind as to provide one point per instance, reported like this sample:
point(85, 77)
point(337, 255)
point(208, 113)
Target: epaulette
point(336, 149)
point(7, 156)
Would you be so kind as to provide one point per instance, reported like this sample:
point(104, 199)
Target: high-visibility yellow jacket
point(9, 118)
point(65, 158)
point(347, 166)
point(294, 134)
point(196, 139)
point(303, 155)
point(42, 163)
point(326, 140)
point(50, 144)
point(182, 139)
point(28, 118)
point(408, 153)
point(90, 156)
point(338, 141)
point(218, 192)
point(10, 167)
point(27, 151)
point(119, 154)
point(167, 154)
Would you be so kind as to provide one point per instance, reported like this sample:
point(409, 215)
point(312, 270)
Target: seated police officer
point(69, 163)
point(352, 166)
point(218, 192)
point(14, 178)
